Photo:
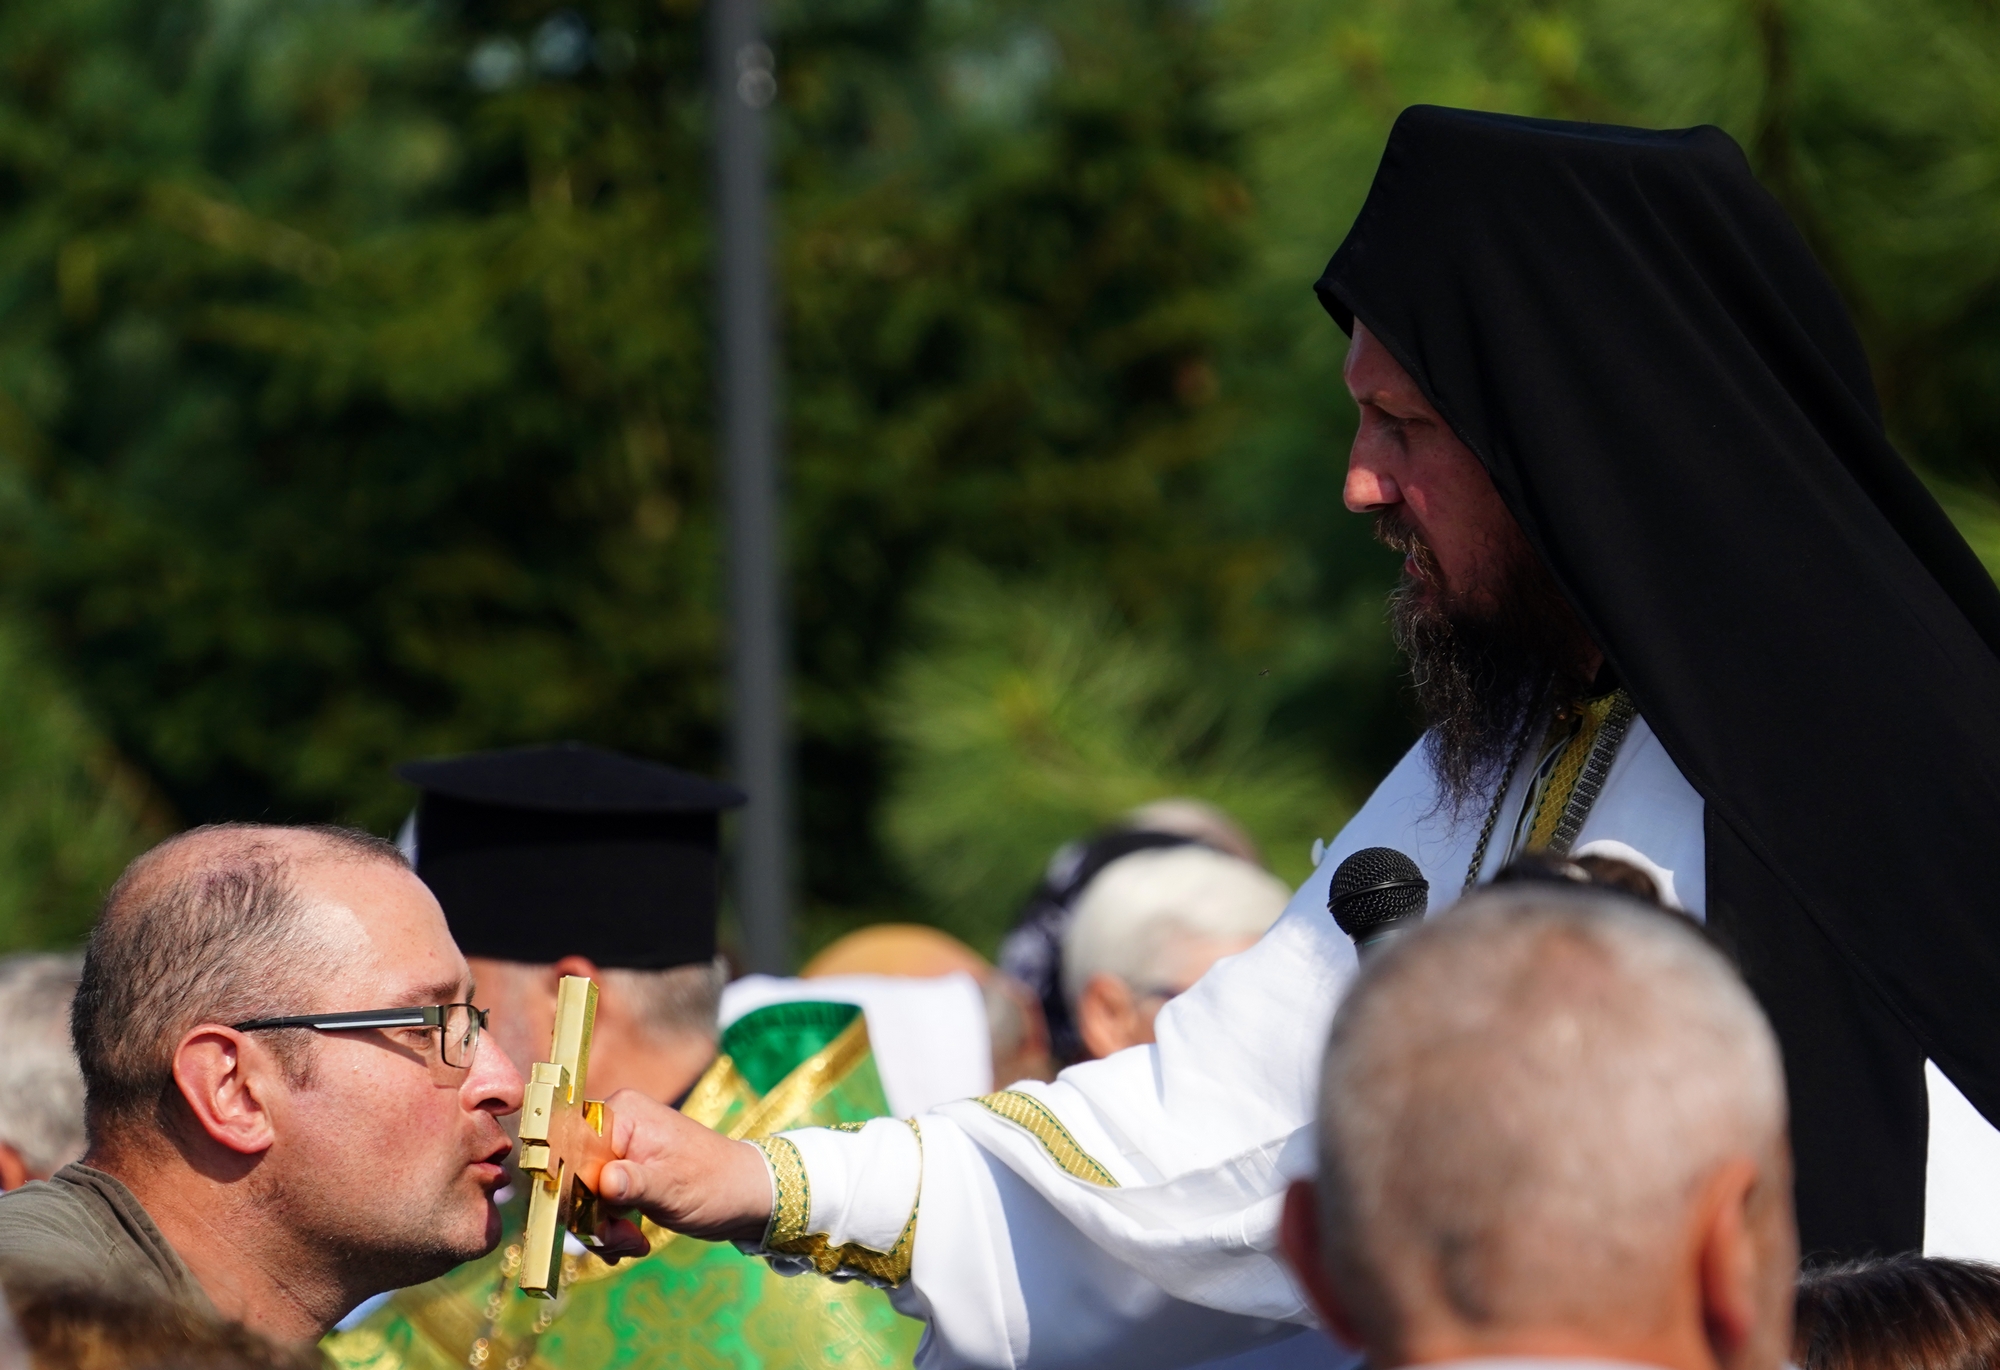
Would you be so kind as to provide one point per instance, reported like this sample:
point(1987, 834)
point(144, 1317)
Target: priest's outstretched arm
point(1124, 1215)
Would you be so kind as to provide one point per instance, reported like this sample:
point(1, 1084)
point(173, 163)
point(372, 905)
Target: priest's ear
point(615, 1018)
point(228, 1079)
point(1298, 1236)
point(575, 965)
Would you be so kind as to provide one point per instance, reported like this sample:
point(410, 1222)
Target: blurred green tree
point(354, 390)
point(1027, 715)
point(354, 383)
point(71, 812)
point(1009, 269)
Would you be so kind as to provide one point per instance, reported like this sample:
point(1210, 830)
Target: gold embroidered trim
point(791, 1211)
point(720, 1086)
point(1034, 1117)
point(812, 1077)
point(1569, 766)
point(1596, 770)
point(791, 1204)
point(1563, 798)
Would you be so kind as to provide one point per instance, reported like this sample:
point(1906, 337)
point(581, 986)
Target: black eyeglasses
point(458, 1025)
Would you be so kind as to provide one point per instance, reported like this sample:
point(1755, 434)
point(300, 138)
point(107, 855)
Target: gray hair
point(680, 1001)
point(43, 1117)
point(1135, 909)
point(1517, 1103)
point(209, 926)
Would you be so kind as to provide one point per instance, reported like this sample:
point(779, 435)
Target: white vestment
point(1022, 1261)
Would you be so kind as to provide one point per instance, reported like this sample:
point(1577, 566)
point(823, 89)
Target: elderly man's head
point(1148, 926)
point(41, 1128)
point(358, 1159)
point(1551, 1123)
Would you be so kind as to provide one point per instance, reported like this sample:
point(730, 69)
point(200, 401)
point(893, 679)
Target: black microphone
point(1375, 893)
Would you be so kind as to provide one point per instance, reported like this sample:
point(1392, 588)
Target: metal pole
point(744, 85)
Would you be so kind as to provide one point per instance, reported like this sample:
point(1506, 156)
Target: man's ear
point(1107, 1018)
point(227, 1081)
point(610, 1011)
point(1298, 1236)
point(1727, 1259)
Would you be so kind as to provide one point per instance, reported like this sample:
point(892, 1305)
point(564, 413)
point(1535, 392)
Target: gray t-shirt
point(83, 1225)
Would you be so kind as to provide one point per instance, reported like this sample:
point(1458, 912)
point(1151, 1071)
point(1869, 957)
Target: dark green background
point(353, 408)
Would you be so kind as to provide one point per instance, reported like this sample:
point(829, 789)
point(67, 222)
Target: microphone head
point(1374, 890)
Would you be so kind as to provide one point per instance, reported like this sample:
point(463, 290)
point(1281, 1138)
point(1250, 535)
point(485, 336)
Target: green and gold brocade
point(694, 1304)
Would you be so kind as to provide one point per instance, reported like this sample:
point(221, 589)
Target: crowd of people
point(1679, 1071)
point(1551, 1122)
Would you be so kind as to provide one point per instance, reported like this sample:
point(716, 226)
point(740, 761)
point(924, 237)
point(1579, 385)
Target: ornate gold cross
point(564, 1143)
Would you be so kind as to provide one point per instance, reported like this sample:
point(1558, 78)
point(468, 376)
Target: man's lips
point(490, 1173)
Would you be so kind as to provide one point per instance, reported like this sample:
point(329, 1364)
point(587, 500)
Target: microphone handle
point(1374, 942)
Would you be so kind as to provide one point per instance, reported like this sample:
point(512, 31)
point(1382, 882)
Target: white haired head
point(1139, 908)
point(1148, 926)
point(42, 1119)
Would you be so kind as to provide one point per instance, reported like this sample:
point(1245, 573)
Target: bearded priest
point(1668, 592)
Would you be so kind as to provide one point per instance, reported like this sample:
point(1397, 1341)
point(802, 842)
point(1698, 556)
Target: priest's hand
point(685, 1177)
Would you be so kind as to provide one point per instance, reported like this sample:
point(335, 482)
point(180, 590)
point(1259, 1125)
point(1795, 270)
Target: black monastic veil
point(1670, 396)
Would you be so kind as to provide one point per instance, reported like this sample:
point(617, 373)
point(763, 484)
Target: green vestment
point(695, 1304)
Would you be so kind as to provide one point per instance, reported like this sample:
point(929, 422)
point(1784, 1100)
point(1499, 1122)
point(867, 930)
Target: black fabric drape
point(1669, 394)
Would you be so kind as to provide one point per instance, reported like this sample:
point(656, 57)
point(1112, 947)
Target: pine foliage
point(355, 390)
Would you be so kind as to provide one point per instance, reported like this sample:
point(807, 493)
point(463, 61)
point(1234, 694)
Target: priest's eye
point(1396, 425)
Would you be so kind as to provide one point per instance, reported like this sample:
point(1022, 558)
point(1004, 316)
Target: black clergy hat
point(537, 853)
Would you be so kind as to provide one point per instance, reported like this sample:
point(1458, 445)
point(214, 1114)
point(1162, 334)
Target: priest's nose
point(1368, 487)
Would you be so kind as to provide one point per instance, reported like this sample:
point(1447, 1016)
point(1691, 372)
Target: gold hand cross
point(565, 1141)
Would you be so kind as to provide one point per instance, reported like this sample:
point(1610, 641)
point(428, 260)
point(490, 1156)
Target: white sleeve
point(1004, 1279)
point(1123, 1216)
point(1174, 1157)
point(864, 1185)
point(1127, 1214)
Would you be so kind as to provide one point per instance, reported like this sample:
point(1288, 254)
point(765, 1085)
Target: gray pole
point(744, 84)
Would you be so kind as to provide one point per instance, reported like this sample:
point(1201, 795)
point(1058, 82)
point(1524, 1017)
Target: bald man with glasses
point(288, 1104)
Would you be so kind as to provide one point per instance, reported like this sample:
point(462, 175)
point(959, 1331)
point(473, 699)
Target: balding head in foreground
point(279, 1172)
point(1552, 1123)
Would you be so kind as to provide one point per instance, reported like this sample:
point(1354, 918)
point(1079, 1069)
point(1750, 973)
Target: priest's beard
point(1491, 663)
